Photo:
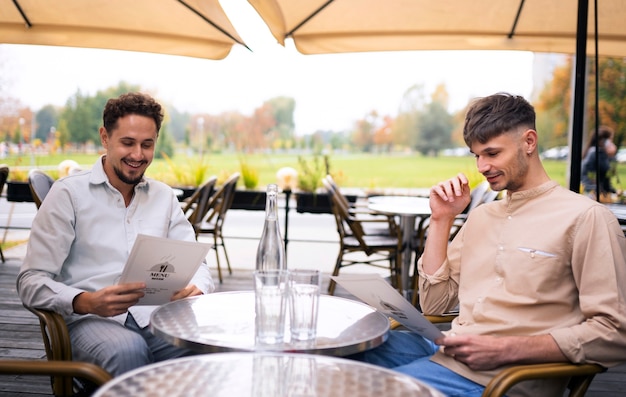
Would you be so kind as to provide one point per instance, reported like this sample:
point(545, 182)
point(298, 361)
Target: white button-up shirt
point(83, 233)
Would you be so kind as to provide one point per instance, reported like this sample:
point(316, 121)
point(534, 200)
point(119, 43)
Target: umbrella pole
point(579, 96)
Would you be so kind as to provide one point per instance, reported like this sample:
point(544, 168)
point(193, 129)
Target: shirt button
point(500, 248)
point(509, 217)
point(498, 280)
point(479, 300)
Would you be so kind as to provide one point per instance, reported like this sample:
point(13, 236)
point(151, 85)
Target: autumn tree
point(405, 127)
point(282, 111)
point(364, 129)
point(554, 103)
point(383, 138)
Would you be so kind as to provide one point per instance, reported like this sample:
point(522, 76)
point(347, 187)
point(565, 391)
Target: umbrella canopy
point(333, 26)
point(195, 28)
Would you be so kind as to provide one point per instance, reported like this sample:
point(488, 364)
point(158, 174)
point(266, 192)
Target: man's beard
point(126, 179)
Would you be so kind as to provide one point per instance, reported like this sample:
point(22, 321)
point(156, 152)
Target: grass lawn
point(367, 171)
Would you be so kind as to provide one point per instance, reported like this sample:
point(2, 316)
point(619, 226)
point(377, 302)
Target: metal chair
point(40, 184)
point(213, 220)
point(354, 241)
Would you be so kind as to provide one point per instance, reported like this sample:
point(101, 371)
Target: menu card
point(378, 293)
point(165, 265)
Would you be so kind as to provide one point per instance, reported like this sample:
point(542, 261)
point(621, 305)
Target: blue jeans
point(118, 348)
point(409, 353)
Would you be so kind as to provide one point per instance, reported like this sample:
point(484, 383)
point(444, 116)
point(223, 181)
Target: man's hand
point(484, 352)
point(109, 301)
point(449, 198)
point(190, 290)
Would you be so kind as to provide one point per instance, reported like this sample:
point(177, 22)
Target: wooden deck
point(20, 338)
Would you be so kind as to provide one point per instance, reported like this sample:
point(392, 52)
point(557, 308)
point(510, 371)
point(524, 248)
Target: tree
point(434, 124)
point(83, 113)
point(405, 129)
point(435, 129)
point(553, 108)
point(283, 109)
point(363, 134)
point(47, 118)
point(554, 103)
point(383, 137)
point(165, 144)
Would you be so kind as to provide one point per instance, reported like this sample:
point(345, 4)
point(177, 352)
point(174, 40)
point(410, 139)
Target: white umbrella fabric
point(334, 26)
point(195, 28)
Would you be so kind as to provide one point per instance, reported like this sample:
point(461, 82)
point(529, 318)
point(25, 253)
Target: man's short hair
point(131, 103)
point(496, 114)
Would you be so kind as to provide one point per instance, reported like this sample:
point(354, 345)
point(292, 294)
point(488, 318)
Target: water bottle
point(270, 254)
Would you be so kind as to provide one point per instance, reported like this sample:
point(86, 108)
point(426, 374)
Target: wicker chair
point(365, 249)
point(213, 220)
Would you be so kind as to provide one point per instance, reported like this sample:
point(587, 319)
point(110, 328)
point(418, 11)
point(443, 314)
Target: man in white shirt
point(83, 233)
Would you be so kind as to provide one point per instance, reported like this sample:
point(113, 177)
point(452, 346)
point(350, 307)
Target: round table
point(224, 322)
point(264, 375)
point(408, 208)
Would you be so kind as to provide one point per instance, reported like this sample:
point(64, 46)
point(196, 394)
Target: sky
point(331, 91)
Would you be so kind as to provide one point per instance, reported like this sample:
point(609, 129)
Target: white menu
point(165, 265)
point(378, 293)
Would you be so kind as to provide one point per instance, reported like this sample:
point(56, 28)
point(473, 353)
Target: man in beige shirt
point(539, 276)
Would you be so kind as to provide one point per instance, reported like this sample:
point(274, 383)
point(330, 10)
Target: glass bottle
point(270, 254)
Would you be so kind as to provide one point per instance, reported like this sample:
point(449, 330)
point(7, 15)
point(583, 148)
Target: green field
point(365, 171)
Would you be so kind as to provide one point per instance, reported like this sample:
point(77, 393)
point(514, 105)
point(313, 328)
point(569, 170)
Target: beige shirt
point(546, 260)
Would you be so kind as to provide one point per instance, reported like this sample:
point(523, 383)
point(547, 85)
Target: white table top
point(400, 205)
point(264, 375)
point(224, 321)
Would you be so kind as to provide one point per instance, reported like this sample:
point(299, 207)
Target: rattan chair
point(363, 248)
point(196, 206)
point(364, 214)
point(68, 369)
point(4, 174)
point(581, 375)
point(40, 184)
point(213, 220)
point(56, 340)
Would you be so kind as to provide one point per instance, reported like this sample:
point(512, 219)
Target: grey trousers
point(118, 348)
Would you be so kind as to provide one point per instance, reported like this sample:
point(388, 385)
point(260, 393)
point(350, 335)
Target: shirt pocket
point(534, 271)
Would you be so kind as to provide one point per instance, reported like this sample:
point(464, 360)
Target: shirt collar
point(518, 198)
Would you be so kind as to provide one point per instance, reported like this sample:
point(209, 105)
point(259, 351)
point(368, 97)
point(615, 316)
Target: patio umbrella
point(195, 28)
point(334, 26)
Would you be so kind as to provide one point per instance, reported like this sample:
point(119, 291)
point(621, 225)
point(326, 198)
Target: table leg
point(407, 224)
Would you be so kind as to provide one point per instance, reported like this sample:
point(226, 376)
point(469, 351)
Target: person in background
point(605, 159)
point(539, 276)
point(84, 231)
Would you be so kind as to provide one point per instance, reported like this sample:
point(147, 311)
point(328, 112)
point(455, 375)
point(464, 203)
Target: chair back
point(4, 175)
point(40, 184)
point(347, 226)
point(335, 187)
point(196, 206)
point(218, 204)
point(57, 344)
